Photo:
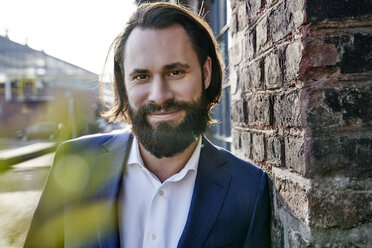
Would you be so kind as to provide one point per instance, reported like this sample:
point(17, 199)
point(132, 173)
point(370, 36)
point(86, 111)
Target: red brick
point(318, 54)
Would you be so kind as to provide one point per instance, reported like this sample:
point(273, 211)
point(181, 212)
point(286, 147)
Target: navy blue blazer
point(230, 205)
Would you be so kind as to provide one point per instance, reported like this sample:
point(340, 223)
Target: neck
point(166, 167)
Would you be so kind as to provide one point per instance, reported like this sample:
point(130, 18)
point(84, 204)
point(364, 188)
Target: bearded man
point(162, 183)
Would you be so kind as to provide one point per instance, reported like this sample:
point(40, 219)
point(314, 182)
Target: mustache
point(169, 105)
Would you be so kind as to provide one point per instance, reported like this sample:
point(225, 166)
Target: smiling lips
point(164, 115)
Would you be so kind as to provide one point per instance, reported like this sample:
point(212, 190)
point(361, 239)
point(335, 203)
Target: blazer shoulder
point(90, 142)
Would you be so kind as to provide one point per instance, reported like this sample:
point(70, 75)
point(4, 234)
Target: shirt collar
point(134, 155)
point(191, 165)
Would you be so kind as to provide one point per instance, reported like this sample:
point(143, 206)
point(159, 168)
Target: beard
point(166, 139)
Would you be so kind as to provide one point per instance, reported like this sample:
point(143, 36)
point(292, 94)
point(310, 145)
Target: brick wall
point(300, 74)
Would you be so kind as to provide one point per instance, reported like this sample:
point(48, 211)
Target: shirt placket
point(154, 228)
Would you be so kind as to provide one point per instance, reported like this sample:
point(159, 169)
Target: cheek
point(191, 89)
point(137, 96)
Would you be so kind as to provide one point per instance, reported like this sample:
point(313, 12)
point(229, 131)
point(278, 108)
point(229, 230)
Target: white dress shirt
point(151, 213)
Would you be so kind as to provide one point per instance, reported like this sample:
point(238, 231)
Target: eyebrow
point(176, 65)
point(166, 68)
point(138, 71)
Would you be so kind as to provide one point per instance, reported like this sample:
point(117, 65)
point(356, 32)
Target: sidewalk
point(20, 190)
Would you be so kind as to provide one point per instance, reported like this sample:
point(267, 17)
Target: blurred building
point(37, 87)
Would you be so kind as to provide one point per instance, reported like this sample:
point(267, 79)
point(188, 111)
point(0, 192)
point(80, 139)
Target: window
point(220, 133)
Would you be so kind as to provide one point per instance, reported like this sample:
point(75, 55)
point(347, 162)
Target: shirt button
point(153, 236)
point(161, 192)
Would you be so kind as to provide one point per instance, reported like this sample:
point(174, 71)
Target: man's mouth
point(163, 115)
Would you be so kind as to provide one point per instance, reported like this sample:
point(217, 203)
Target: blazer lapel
point(106, 179)
point(211, 185)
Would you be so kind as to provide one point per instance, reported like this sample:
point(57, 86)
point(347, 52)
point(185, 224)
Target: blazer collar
point(109, 165)
point(106, 178)
point(211, 186)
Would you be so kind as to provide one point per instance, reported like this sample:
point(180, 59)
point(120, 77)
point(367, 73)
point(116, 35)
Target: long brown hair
point(157, 16)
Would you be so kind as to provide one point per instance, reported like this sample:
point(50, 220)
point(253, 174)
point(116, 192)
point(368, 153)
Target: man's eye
point(140, 77)
point(176, 73)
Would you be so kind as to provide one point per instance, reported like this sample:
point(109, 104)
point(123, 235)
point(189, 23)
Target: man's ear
point(207, 70)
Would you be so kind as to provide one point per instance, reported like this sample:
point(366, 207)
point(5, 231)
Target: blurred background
point(52, 54)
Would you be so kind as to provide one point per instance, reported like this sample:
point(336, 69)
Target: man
point(163, 184)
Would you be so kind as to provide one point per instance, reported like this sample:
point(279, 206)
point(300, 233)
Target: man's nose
point(160, 91)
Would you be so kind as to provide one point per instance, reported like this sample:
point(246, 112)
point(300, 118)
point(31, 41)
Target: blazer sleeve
point(259, 229)
point(47, 229)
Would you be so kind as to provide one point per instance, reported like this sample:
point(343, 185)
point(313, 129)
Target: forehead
point(147, 47)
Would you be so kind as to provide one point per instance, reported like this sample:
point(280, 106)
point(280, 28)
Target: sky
point(77, 31)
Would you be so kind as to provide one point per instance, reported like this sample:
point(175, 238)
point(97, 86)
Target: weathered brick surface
point(286, 18)
point(293, 197)
point(275, 150)
point(336, 154)
point(295, 154)
point(250, 45)
point(277, 232)
point(242, 16)
point(354, 103)
point(338, 107)
point(261, 33)
point(320, 53)
point(233, 3)
point(237, 143)
point(246, 139)
point(347, 52)
point(319, 10)
point(253, 7)
point(296, 240)
point(259, 109)
point(235, 52)
point(242, 143)
point(287, 109)
point(357, 237)
point(233, 22)
point(251, 76)
point(258, 147)
point(346, 208)
point(273, 70)
point(319, 116)
point(304, 75)
point(293, 56)
point(237, 113)
point(356, 57)
point(278, 23)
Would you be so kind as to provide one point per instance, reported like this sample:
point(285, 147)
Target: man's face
point(163, 79)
